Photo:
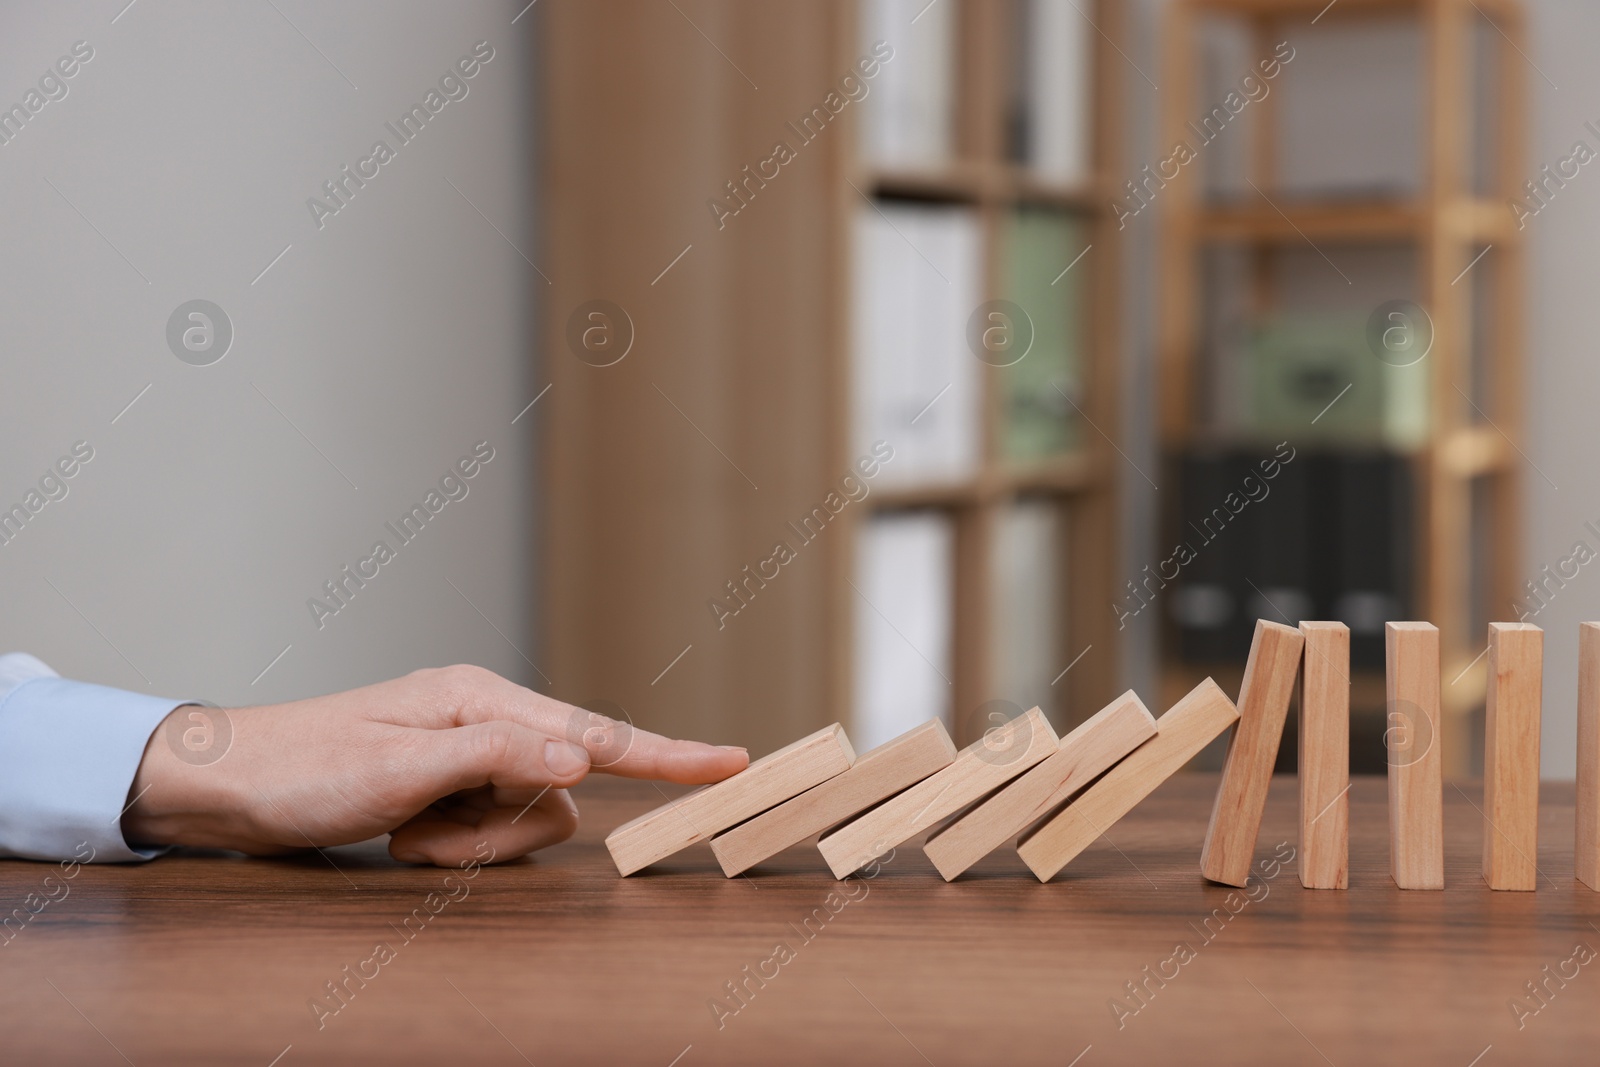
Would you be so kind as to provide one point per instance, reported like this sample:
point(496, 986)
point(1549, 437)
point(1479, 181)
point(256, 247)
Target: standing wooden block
point(1085, 753)
point(1269, 677)
point(1325, 756)
point(1416, 770)
point(768, 781)
point(983, 766)
point(876, 776)
point(1588, 852)
point(1188, 726)
point(1511, 756)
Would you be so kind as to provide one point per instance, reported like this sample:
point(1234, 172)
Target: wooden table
point(214, 959)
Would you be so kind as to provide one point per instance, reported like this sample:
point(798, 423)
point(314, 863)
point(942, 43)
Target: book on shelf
point(1203, 563)
point(907, 120)
point(1328, 536)
point(1050, 123)
point(1373, 500)
point(915, 382)
point(1029, 550)
point(1042, 392)
point(903, 613)
point(1315, 379)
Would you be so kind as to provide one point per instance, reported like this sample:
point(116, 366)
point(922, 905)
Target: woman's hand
point(439, 759)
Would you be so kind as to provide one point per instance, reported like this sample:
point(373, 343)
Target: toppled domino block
point(983, 766)
point(1269, 677)
point(1084, 754)
point(879, 774)
point(1187, 727)
point(767, 782)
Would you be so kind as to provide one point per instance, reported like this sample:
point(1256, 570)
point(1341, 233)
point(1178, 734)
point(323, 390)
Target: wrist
point(185, 791)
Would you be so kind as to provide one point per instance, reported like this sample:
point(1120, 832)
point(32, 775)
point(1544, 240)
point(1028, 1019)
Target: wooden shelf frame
point(1083, 484)
point(1447, 224)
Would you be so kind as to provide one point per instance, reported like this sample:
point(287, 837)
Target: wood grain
point(1085, 753)
point(1587, 815)
point(1324, 766)
point(1269, 677)
point(879, 774)
point(1187, 727)
point(208, 960)
point(1416, 782)
point(768, 781)
point(1511, 756)
point(980, 768)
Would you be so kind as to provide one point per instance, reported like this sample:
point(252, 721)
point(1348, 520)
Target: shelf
point(1473, 451)
point(1066, 475)
point(1341, 9)
point(1305, 8)
point(1349, 221)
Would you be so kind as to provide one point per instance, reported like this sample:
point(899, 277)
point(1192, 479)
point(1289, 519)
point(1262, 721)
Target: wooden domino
point(983, 766)
point(1269, 677)
point(1325, 756)
point(1187, 727)
point(876, 776)
point(767, 782)
point(1588, 805)
point(1511, 756)
point(1416, 772)
point(1085, 753)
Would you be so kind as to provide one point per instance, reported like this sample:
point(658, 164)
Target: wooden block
point(1269, 677)
point(768, 781)
point(1325, 756)
point(1511, 756)
point(1588, 851)
point(1188, 726)
point(1085, 753)
point(1416, 769)
point(983, 766)
point(876, 776)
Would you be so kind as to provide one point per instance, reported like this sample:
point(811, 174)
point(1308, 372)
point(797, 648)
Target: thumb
point(498, 753)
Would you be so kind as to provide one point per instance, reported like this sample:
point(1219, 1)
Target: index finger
point(620, 748)
point(465, 695)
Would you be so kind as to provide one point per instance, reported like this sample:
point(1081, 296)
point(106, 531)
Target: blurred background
point(747, 367)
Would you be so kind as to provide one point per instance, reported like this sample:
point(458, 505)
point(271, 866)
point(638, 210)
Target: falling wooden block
point(1188, 726)
point(767, 782)
point(1511, 756)
point(1269, 677)
point(1588, 851)
point(1325, 756)
point(983, 766)
point(1412, 741)
point(1085, 753)
point(876, 776)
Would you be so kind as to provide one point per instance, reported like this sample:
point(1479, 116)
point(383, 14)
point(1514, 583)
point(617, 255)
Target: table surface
point(216, 959)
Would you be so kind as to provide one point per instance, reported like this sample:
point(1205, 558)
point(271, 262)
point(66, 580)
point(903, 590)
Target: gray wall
point(1561, 475)
point(1564, 374)
point(377, 351)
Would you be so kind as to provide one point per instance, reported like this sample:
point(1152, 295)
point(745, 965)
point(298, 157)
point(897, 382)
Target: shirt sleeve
point(68, 754)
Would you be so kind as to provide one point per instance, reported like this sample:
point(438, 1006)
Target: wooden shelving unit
point(1082, 483)
point(1467, 472)
point(740, 375)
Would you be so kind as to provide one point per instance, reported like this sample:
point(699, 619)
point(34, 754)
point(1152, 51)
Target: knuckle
point(497, 741)
point(456, 681)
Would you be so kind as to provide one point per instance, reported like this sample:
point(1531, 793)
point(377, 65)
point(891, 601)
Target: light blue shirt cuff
point(68, 754)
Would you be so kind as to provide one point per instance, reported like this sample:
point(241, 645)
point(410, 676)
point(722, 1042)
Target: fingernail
point(564, 758)
point(411, 857)
point(734, 748)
